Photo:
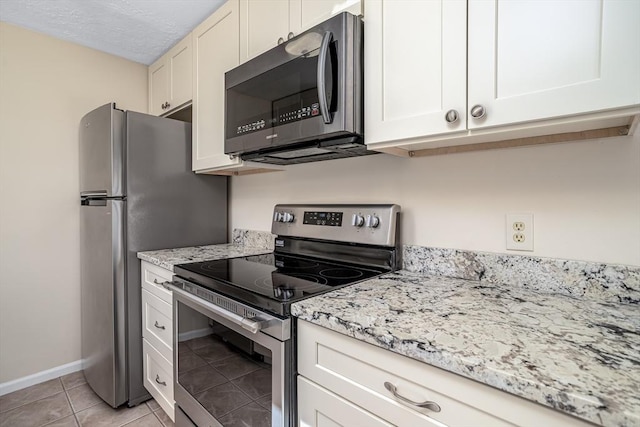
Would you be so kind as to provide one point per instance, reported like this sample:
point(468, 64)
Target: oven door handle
point(252, 324)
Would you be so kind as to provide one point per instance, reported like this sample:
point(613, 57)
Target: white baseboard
point(189, 335)
point(40, 377)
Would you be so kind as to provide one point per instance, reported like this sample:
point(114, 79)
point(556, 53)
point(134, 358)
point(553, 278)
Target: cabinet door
point(415, 68)
point(307, 13)
point(181, 63)
point(318, 407)
point(216, 50)
point(262, 23)
point(158, 86)
point(531, 60)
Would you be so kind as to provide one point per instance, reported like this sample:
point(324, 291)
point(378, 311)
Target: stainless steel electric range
point(234, 335)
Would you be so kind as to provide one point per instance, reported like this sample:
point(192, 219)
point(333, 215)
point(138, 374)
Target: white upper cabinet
point(158, 87)
point(415, 68)
point(170, 84)
point(265, 23)
point(532, 60)
point(455, 72)
point(307, 13)
point(262, 24)
point(216, 50)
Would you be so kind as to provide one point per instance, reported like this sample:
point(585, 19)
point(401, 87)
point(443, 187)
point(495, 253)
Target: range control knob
point(278, 217)
point(287, 217)
point(357, 220)
point(372, 221)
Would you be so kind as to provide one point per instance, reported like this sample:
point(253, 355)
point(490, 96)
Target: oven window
point(229, 375)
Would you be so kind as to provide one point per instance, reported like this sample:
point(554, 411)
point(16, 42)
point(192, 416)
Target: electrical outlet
point(520, 232)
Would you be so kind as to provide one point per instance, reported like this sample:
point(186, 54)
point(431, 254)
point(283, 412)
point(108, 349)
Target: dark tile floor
point(68, 401)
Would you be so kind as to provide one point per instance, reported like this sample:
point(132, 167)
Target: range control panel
point(368, 224)
point(331, 219)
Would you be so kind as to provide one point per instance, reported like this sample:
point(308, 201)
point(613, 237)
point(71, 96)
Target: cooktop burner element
point(274, 276)
point(341, 273)
point(319, 248)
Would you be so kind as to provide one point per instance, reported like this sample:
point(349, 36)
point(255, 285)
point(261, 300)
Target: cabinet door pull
point(426, 404)
point(159, 326)
point(478, 111)
point(451, 116)
point(164, 383)
point(280, 40)
point(290, 36)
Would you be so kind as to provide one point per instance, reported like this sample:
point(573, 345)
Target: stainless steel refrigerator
point(137, 193)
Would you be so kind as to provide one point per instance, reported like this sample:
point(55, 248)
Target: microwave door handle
point(322, 84)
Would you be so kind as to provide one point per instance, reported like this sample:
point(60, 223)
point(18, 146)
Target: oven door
point(225, 374)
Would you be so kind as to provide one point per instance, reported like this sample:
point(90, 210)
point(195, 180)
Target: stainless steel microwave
point(301, 101)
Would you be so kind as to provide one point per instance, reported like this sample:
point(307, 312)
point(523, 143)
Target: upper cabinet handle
point(290, 36)
point(478, 111)
point(451, 116)
point(159, 326)
point(426, 404)
point(280, 40)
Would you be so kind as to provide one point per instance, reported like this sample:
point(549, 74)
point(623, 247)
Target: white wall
point(46, 86)
point(585, 196)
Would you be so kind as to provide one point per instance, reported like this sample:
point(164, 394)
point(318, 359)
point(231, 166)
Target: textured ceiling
point(139, 30)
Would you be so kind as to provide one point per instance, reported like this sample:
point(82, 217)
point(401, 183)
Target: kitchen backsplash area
point(595, 281)
point(601, 282)
point(253, 238)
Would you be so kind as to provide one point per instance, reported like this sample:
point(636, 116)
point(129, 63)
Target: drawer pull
point(163, 284)
point(164, 383)
point(427, 404)
point(159, 326)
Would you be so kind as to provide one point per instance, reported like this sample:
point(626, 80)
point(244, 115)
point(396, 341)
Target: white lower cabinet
point(319, 407)
point(157, 336)
point(158, 377)
point(342, 382)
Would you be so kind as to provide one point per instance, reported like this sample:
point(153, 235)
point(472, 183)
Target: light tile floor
point(68, 401)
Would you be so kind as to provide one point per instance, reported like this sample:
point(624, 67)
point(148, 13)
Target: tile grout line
point(73, 411)
point(135, 419)
point(158, 418)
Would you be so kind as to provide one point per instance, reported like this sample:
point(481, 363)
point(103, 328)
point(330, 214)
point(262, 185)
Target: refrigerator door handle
point(94, 194)
point(93, 202)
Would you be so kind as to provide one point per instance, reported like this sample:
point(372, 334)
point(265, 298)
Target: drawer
point(157, 323)
point(357, 371)
point(158, 377)
point(152, 279)
point(318, 407)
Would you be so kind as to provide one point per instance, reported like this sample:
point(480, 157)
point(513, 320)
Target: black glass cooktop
point(273, 281)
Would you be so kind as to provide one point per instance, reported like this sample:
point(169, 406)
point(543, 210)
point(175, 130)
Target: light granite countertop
point(244, 243)
point(575, 355)
point(167, 258)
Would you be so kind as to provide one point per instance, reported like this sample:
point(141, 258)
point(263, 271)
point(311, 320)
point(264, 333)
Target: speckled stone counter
point(575, 355)
point(245, 243)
